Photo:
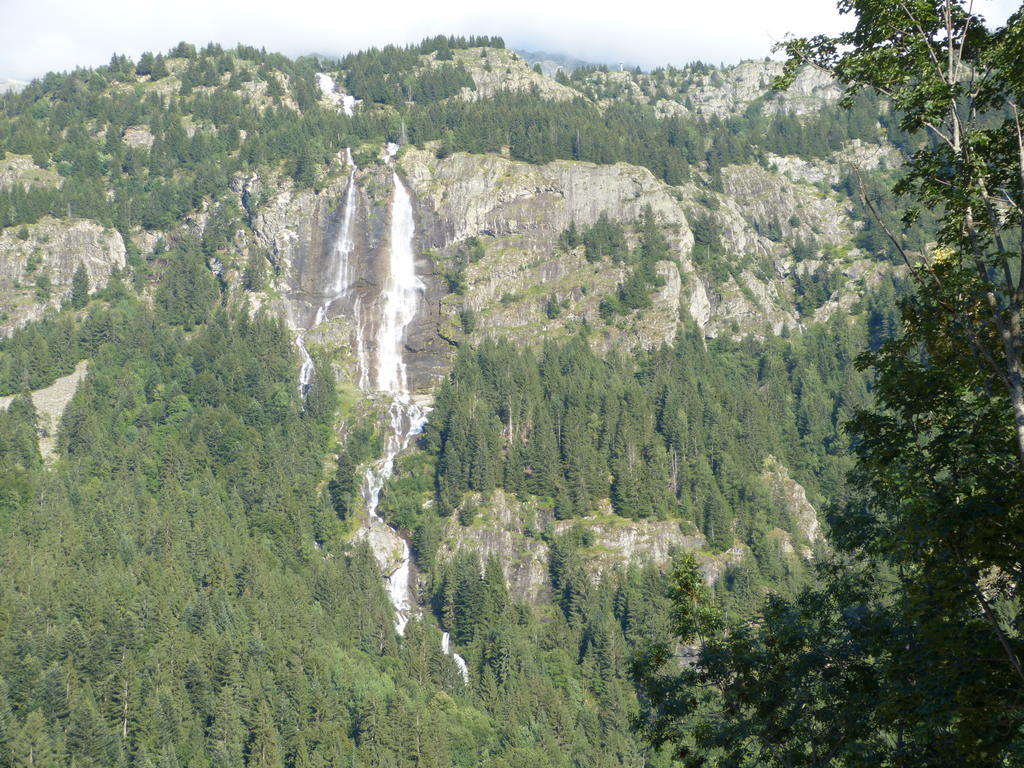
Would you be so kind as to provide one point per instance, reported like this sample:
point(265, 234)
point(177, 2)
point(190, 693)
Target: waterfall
point(399, 297)
point(344, 244)
point(446, 648)
point(386, 374)
point(342, 101)
point(396, 308)
point(341, 274)
point(382, 370)
point(306, 369)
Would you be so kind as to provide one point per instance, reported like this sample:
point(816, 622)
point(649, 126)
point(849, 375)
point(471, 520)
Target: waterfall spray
point(387, 375)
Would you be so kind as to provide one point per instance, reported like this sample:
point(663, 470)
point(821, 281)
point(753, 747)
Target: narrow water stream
point(341, 277)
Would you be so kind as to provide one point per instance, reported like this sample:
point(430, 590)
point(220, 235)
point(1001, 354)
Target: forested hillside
point(639, 299)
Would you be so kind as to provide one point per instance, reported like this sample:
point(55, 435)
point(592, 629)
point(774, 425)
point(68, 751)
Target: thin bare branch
point(924, 38)
point(947, 139)
point(963, 40)
point(990, 616)
point(975, 343)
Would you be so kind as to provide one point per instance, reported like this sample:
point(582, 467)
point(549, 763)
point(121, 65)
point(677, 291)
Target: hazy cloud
point(44, 35)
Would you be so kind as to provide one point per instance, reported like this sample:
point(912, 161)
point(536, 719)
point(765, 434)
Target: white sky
point(37, 36)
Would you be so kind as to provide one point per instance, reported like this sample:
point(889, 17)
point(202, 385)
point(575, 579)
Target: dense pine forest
point(166, 604)
point(188, 577)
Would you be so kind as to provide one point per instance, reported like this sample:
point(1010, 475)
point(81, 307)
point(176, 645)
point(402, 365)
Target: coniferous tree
point(33, 746)
point(80, 287)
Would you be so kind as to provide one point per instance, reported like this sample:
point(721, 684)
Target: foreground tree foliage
point(908, 653)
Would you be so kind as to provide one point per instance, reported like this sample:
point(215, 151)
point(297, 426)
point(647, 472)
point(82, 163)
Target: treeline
point(395, 59)
point(374, 84)
point(395, 75)
point(539, 131)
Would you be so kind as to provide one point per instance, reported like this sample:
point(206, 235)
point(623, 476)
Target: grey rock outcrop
point(856, 154)
point(792, 497)
point(20, 169)
point(50, 403)
point(136, 136)
point(298, 230)
point(503, 70)
point(508, 530)
point(52, 252)
point(520, 210)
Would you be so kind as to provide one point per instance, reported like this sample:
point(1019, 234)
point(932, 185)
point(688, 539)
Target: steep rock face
point(855, 155)
point(49, 255)
point(519, 211)
point(619, 541)
point(527, 287)
point(299, 231)
point(792, 497)
point(763, 217)
point(764, 199)
point(731, 91)
point(385, 543)
point(501, 531)
point(861, 275)
point(760, 216)
point(504, 70)
point(811, 90)
point(293, 228)
point(491, 195)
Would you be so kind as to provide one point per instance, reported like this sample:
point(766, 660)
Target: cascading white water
point(446, 648)
point(306, 369)
point(387, 374)
point(382, 368)
point(343, 101)
point(362, 353)
point(344, 245)
point(341, 279)
point(399, 297)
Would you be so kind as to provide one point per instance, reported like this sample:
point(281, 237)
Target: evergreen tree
point(33, 746)
point(80, 287)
